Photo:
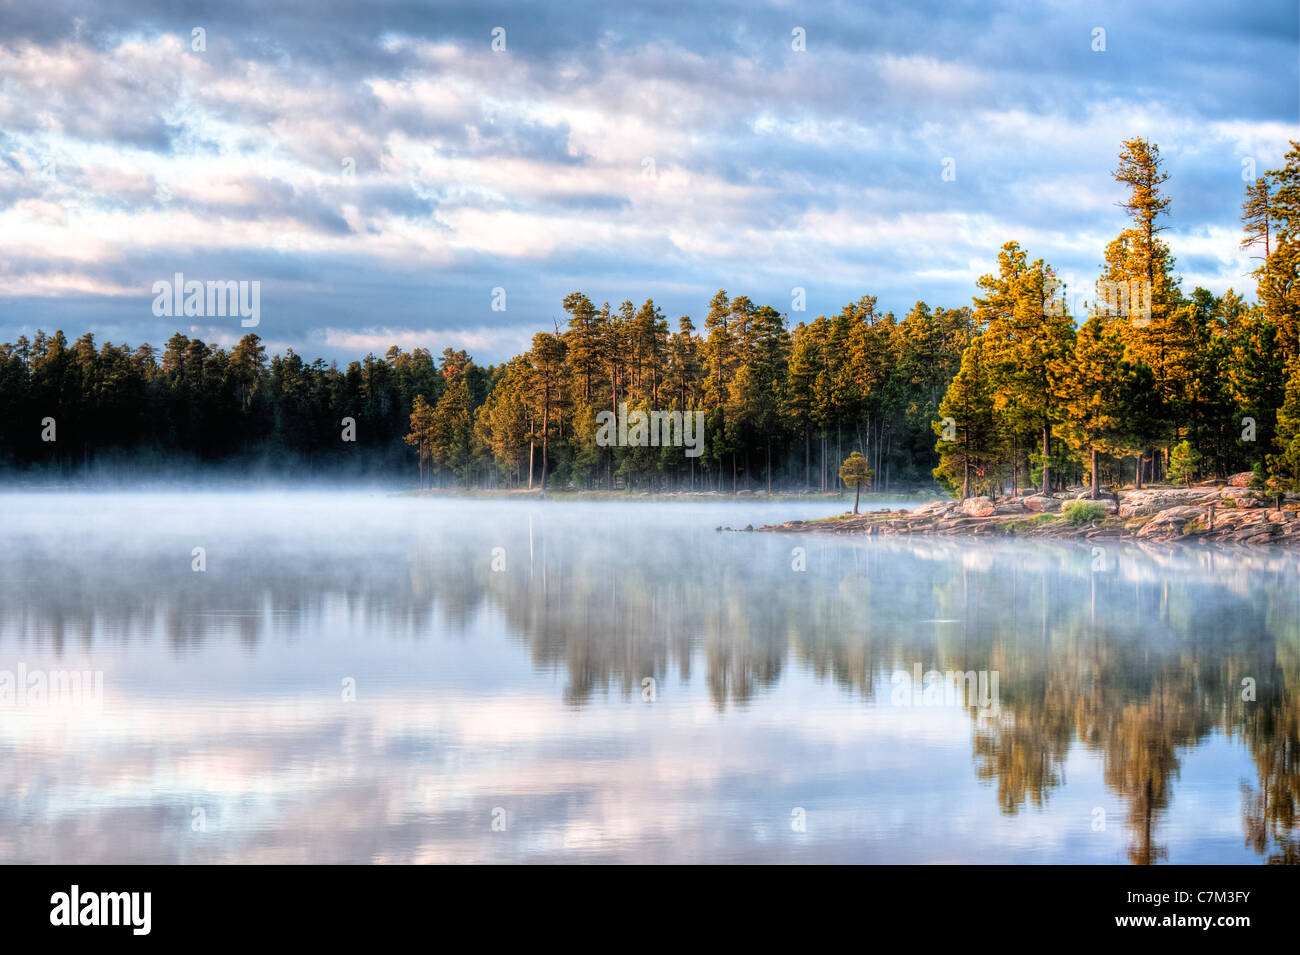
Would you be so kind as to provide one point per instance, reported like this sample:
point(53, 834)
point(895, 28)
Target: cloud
point(387, 162)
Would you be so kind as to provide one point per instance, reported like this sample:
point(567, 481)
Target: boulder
point(1085, 494)
point(1170, 521)
point(1148, 501)
point(977, 507)
point(1241, 480)
point(1238, 498)
point(1039, 504)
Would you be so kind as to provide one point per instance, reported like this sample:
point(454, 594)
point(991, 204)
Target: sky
point(442, 175)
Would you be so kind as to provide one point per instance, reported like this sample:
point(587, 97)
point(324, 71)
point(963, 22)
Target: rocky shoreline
point(1229, 513)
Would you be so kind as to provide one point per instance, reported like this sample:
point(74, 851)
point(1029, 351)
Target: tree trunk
point(1015, 467)
point(965, 467)
point(1096, 484)
point(546, 432)
point(807, 461)
point(823, 462)
point(857, 496)
point(1047, 453)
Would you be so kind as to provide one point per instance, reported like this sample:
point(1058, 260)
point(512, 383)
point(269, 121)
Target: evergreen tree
point(423, 433)
point(547, 358)
point(1092, 385)
point(970, 429)
point(1029, 333)
point(855, 473)
point(453, 429)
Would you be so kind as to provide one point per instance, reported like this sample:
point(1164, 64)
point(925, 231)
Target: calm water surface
point(358, 677)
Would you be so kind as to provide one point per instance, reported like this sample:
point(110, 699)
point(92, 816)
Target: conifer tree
point(1091, 385)
point(1029, 332)
point(547, 358)
point(1140, 270)
point(421, 436)
point(855, 473)
point(970, 429)
point(1284, 463)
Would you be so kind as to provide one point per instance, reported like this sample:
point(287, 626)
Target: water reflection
point(518, 696)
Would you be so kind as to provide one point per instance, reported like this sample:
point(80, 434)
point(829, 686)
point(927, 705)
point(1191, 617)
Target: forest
point(1011, 391)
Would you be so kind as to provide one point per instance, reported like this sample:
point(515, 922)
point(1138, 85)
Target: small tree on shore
point(1183, 461)
point(854, 472)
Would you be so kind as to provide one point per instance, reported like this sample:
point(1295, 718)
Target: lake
point(358, 676)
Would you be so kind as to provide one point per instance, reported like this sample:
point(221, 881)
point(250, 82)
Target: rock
point(1239, 497)
point(1136, 508)
point(1240, 518)
point(1170, 521)
point(1241, 480)
point(1170, 515)
point(1147, 501)
point(1038, 504)
point(1235, 493)
point(1085, 494)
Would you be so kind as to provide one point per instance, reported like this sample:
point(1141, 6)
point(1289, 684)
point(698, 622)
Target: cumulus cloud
point(381, 168)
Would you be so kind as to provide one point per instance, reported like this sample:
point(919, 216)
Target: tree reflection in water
point(1138, 663)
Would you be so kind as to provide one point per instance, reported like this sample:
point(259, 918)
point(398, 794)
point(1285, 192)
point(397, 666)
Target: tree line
point(1150, 383)
point(1012, 391)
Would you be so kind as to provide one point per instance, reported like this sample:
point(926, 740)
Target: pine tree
point(504, 423)
point(421, 436)
point(1255, 374)
point(1183, 463)
point(1255, 212)
point(548, 367)
point(1279, 278)
point(1138, 290)
point(1091, 386)
point(583, 340)
point(855, 473)
point(1029, 332)
point(801, 405)
point(970, 428)
point(1284, 465)
point(453, 429)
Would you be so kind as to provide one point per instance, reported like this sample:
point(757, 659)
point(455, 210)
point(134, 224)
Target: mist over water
point(499, 653)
